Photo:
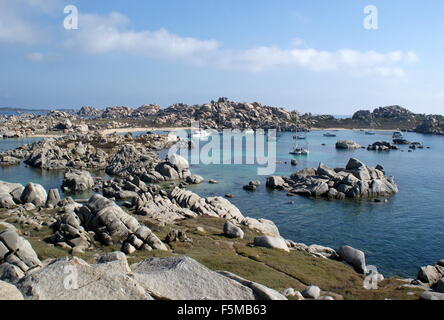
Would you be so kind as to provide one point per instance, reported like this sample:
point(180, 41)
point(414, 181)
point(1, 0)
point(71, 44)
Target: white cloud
point(98, 34)
point(35, 56)
point(15, 22)
point(105, 34)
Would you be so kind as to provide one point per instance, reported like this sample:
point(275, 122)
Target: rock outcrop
point(10, 194)
point(77, 181)
point(111, 278)
point(180, 278)
point(16, 256)
point(146, 165)
point(355, 257)
point(9, 292)
point(71, 278)
point(431, 274)
point(233, 231)
point(225, 114)
point(109, 223)
point(271, 242)
point(433, 124)
point(54, 154)
point(34, 193)
point(347, 145)
point(356, 181)
point(381, 146)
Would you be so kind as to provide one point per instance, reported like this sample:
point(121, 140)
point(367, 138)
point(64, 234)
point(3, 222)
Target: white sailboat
point(299, 151)
point(200, 134)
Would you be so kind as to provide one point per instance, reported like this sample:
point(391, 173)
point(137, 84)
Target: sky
point(316, 56)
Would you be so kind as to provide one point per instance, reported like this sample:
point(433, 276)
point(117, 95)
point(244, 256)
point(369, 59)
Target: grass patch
point(274, 268)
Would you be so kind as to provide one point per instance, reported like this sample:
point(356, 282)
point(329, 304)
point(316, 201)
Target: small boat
point(300, 137)
point(200, 133)
point(249, 131)
point(328, 134)
point(370, 133)
point(398, 135)
point(298, 151)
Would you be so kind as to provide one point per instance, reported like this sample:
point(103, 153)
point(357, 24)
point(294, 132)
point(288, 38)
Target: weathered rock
point(321, 251)
point(74, 279)
point(17, 251)
point(382, 146)
point(325, 171)
point(6, 201)
point(430, 295)
point(355, 257)
point(311, 292)
point(439, 287)
point(267, 227)
point(347, 144)
point(35, 194)
point(275, 182)
point(195, 179)
point(260, 291)
point(429, 274)
point(53, 198)
point(354, 164)
point(9, 292)
point(181, 278)
point(357, 181)
point(110, 223)
point(77, 181)
point(177, 236)
point(232, 231)
point(146, 165)
point(271, 242)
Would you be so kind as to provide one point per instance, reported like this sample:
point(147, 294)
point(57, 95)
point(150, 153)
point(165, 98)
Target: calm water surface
point(397, 236)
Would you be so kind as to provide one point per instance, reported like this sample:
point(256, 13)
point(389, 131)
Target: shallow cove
point(397, 236)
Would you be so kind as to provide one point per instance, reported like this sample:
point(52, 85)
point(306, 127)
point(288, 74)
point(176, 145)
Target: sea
point(397, 236)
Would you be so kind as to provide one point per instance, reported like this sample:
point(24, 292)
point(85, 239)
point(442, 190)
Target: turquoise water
point(397, 236)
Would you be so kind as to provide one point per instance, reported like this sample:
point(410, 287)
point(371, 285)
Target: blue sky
point(313, 56)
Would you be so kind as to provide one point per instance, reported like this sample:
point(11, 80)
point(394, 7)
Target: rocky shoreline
point(160, 227)
point(220, 114)
point(140, 228)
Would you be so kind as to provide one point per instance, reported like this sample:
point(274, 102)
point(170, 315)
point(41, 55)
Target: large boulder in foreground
point(182, 278)
point(232, 231)
point(355, 257)
point(9, 292)
point(430, 274)
point(271, 242)
point(16, 255)
point(74, 279)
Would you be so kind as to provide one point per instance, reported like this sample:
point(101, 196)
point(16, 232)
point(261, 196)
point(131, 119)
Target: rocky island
point(138, 246)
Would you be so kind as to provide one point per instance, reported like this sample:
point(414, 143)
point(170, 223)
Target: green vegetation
point(274, 268)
